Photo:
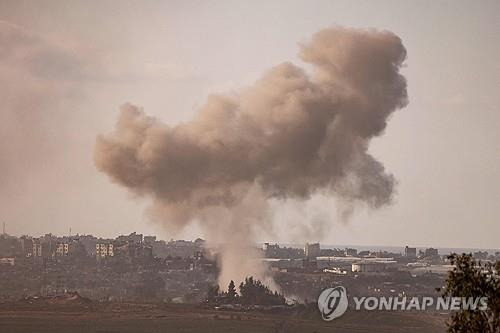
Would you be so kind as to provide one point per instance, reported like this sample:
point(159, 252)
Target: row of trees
point(252, 292)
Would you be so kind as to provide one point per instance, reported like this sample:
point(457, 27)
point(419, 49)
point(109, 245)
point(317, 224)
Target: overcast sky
point(67, 66)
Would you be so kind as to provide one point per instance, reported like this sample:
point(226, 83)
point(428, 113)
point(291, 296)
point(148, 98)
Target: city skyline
point(376, 247)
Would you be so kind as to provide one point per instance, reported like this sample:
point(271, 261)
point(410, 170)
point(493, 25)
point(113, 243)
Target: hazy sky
point(67, 66)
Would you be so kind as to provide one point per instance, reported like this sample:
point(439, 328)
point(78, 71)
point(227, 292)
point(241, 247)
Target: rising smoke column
point(289, 135)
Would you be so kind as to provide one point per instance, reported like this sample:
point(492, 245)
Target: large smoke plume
point(289, 135)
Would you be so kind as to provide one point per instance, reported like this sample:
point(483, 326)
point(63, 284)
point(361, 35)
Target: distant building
point(351, 252)
point(103, 250)
point(431, 253)
point(271, 250)
point(62, 249)
point(335, 270)
point(370, 266)
point(312, 250)
point(410, 252)
point(26, 245)
point(37, 248)
point(365, 253)
point(132, 238)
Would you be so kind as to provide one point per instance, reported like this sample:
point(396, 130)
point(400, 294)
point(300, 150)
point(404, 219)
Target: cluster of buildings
point(130, 247)
point(349, 261)
point(50, 247)
point(411, 272)
point(130, 267)
point(135, 266)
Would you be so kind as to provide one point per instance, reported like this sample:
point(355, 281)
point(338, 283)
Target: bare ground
point(182, 318)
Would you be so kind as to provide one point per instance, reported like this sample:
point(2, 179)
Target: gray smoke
point(289, 135)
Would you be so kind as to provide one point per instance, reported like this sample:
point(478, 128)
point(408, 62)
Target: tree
point(252, 292)
point(231, 291)
point(255, 292)
point(470, 278)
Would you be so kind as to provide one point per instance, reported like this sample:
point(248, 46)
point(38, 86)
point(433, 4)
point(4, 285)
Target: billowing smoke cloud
point(289, 135)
